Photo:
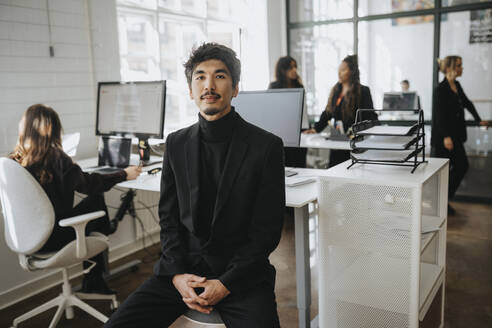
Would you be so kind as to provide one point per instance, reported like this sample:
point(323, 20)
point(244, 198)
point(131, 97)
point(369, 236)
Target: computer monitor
point(400, 100)
point(278, 111)
point(131, 109)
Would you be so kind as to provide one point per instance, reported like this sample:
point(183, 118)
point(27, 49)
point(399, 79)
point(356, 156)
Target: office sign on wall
point(481, 26)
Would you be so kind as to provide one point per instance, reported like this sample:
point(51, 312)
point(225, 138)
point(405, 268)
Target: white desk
point(317, 140)
point(297, 197)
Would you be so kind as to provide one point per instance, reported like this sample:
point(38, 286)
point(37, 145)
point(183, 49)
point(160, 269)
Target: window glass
point(176, 41)
point(318, 10)
point(391, 51)
point(149, 4)
point(138, 47)
point(195, 7)
point(319, 51)
point(460, 2)
point(223, 33)
point(371, 7)
point(219, 8)
point(467, 34)
point(156, 38)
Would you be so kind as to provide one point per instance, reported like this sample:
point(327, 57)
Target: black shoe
point(95, 284)
point(451, 211)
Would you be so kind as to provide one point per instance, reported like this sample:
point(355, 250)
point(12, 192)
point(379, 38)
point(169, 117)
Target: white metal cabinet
point(376, 268)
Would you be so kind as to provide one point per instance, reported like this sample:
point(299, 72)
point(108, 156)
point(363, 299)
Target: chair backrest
point(27, 211)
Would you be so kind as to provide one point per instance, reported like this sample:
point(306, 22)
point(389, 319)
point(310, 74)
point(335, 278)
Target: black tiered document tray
point(374, 143)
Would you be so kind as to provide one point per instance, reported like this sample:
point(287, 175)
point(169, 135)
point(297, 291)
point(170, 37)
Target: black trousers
point(157, 303)
point(458, 164)
point(64, 235)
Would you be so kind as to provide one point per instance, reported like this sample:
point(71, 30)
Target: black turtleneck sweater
point(215, 137)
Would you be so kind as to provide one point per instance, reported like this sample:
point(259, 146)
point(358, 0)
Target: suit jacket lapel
point(235, 156)
point(192, 153)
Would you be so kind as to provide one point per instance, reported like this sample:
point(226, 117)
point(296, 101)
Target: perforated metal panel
point(367, 259)
point(431, 196)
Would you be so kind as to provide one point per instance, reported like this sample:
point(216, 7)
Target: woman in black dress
point(39, 150)
point(286, 77)
point(448, 122)
point(346, 96)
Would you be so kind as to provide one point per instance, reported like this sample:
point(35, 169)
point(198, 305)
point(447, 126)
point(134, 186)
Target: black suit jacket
point(248, 214)
point(365, 103)
point(448, 117)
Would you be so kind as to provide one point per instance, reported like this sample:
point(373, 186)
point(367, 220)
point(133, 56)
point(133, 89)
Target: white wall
point(29, 75)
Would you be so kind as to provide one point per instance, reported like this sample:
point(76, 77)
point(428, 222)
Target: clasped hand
point(213, 291)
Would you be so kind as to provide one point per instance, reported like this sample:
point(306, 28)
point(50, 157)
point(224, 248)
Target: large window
point(156, 38)
point(318, 51)
point(469, 35)
point(390, 52)
point(396, 40)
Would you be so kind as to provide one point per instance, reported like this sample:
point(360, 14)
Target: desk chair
point(29, 219)
point(195, 319)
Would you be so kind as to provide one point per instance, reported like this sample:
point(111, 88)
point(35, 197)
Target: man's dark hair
point(217, 51)
point(406, 82)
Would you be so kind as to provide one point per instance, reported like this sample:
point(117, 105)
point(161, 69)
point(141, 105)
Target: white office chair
point(29, 220)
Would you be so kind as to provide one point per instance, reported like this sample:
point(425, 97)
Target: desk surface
point(318, 140)
point(295, 196)
point(386, 174)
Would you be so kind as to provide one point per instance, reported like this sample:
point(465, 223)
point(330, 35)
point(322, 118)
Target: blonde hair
point(39, 139)
point(448, 62)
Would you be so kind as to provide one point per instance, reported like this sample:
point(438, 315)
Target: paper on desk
point(382, 155)
point(386, 129)
point(298, 181)
point(388, 142)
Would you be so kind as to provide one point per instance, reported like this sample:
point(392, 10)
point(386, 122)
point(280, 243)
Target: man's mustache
point(210, 93)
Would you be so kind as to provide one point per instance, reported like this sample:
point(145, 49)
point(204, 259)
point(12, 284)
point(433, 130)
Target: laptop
point(113, 154)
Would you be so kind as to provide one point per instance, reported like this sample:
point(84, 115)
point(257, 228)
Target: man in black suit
point(221, 210)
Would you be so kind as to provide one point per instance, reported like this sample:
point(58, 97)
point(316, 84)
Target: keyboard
point(289, 173)
point(107, 170)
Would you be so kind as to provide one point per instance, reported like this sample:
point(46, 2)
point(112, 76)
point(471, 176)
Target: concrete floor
point(468, 292)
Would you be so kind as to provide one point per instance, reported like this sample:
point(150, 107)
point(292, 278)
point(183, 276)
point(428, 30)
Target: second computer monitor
point(400, 100)
point(278, 111)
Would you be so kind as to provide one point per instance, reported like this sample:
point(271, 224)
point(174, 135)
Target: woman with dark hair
point(346, 96)
point(39, 150)
point(286, 77)
point(286, 74)
point(448, 122)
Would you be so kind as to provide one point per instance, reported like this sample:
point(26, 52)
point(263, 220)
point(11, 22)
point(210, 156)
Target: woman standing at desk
point(346, 96)
point(286, 77)
point(39, 150)
point(448, 123)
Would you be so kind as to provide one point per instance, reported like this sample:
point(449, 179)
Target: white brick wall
point(29, 75)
